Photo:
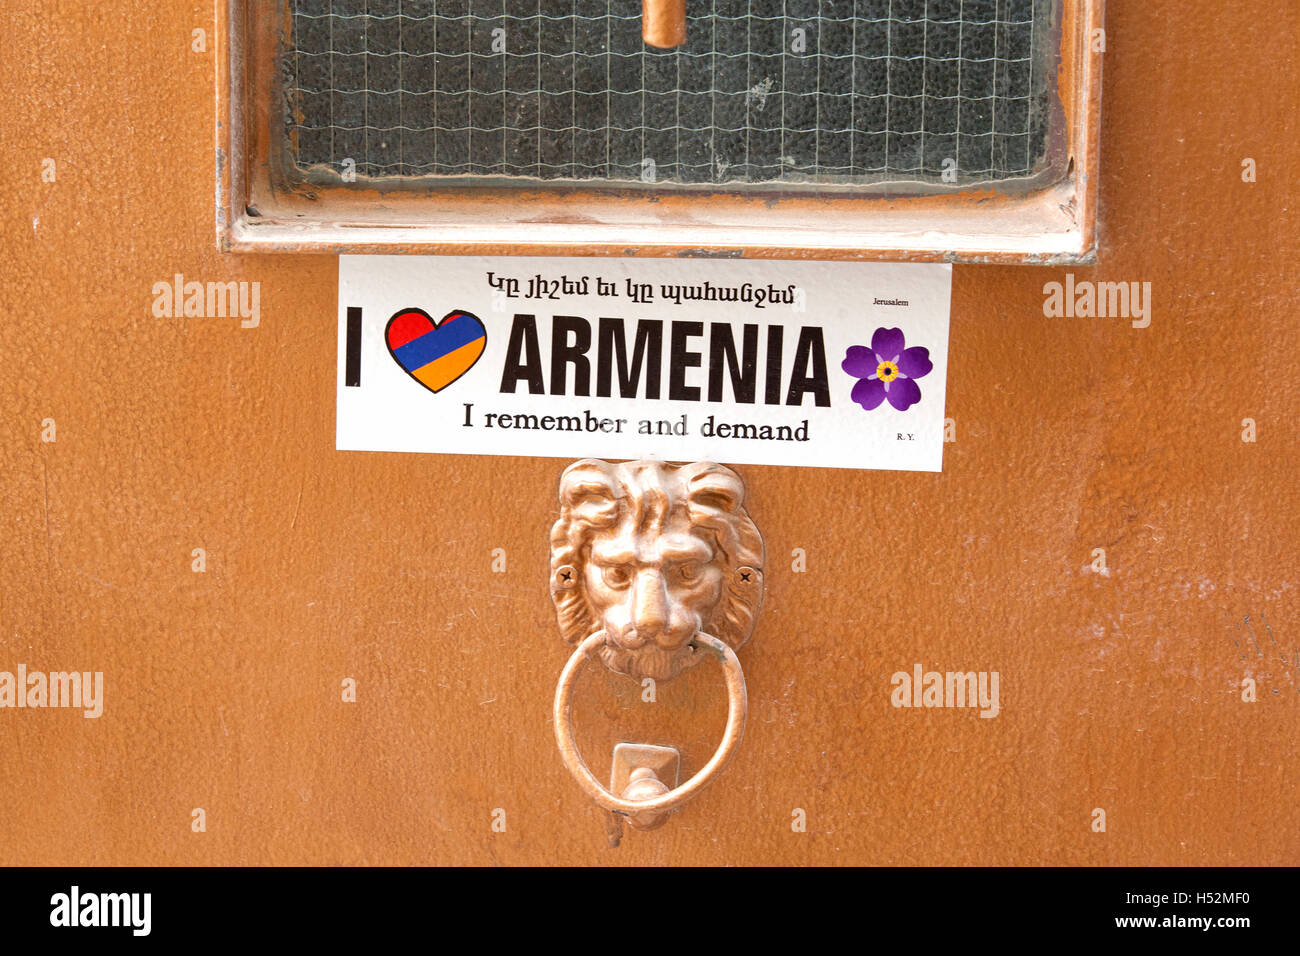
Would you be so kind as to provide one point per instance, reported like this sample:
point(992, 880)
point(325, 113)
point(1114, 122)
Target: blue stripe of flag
point(436, 343)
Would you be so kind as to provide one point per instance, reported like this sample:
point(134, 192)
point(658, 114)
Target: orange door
point(1114, 532)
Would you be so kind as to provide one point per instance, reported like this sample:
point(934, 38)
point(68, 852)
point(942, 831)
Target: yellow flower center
point(886, 371)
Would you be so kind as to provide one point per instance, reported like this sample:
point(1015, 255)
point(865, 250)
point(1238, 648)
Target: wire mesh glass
point(947, 92)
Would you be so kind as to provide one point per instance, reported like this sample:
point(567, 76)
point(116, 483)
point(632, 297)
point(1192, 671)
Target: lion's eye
point(617, 575)
point(689, 572)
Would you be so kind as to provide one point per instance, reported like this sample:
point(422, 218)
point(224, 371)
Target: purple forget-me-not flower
point(887, 370)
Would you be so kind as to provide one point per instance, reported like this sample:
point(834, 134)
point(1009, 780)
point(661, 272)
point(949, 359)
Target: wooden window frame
point(1055, 224)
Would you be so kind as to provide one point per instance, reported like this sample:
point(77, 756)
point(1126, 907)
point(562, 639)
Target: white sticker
point(817, 364)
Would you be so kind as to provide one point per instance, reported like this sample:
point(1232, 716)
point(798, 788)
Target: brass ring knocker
point(651, 811)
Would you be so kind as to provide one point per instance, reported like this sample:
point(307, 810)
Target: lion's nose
point(650, 607)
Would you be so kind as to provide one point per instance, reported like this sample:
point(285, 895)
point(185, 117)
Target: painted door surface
point(1171, 448)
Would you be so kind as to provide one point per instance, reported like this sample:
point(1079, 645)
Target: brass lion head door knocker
point(654, 567)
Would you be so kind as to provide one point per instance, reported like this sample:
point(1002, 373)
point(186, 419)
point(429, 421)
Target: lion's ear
point(714, 489)
point(589, 491)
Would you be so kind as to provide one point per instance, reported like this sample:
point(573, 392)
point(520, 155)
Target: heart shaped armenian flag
point(435, 354)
